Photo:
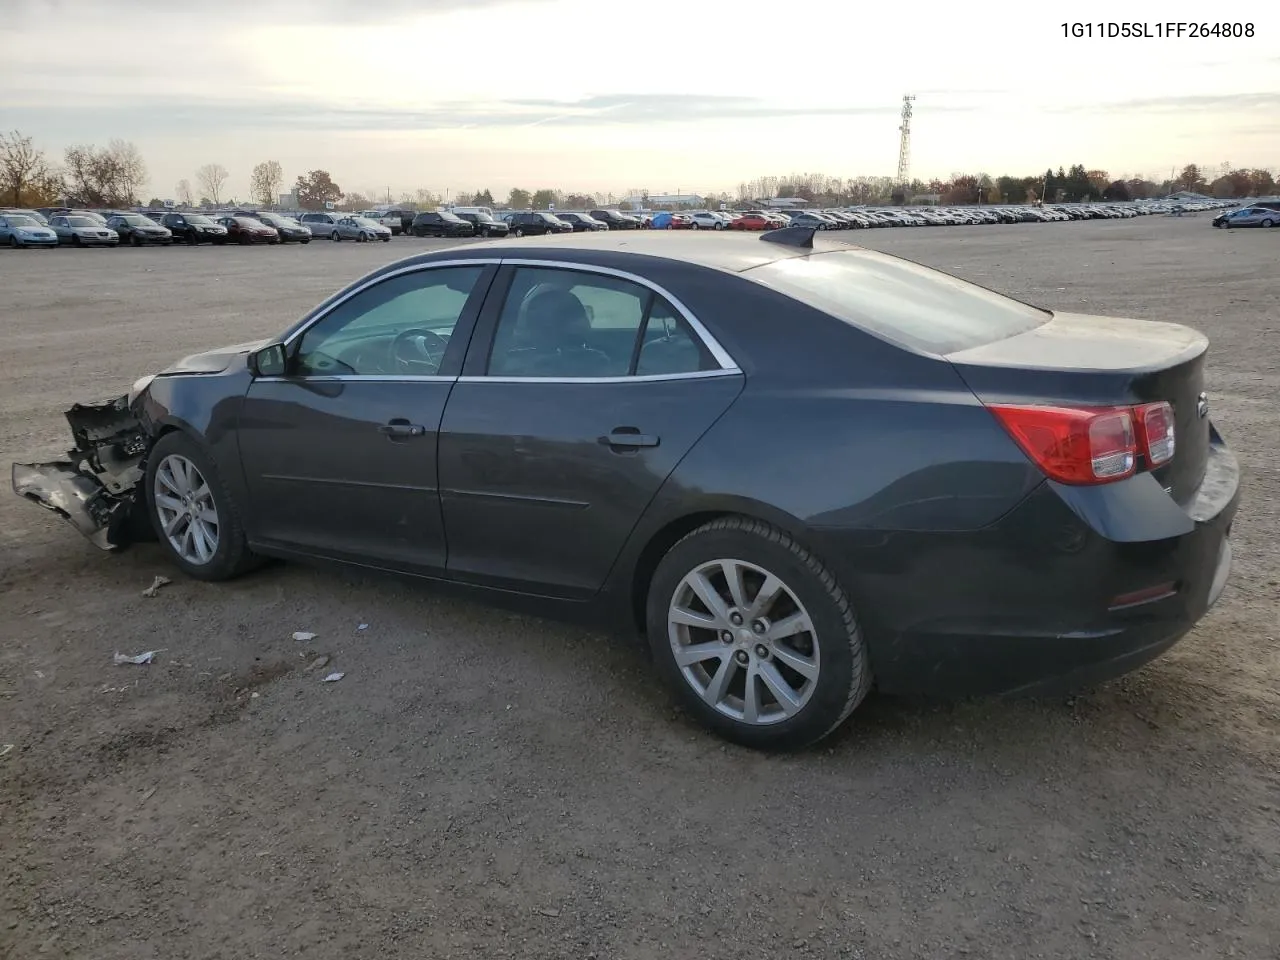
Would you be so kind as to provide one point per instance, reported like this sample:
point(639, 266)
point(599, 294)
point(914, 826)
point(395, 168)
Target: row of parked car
point(60, 226)
point(57, 226)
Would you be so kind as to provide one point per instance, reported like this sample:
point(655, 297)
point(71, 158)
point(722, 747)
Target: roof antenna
point(791, 236)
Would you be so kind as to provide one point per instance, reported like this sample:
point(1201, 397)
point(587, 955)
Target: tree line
point(115, 175)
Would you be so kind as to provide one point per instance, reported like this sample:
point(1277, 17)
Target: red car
point(752, 221)
point(249, 230)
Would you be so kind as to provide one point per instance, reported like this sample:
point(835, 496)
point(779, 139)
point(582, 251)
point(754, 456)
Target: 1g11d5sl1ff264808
point(1156, 31)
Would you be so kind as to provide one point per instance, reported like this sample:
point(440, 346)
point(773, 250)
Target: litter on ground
point(304, 636)
point(156, 584)
point(333, 678)
point(137, 659)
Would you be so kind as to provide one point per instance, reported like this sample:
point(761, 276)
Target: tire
point(304, 242)
point(13, 242)
point(76, 241)
point(133, 240)
point(519, 231)
point(695, 226)
point(719, 226)
point(230, 556)
point(834, 648)
point(335, 237)
point(386, 239)
point(1268, 222)
point(362, 238)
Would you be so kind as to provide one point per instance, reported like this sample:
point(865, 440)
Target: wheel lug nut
point(757, 626)
point(735, 618)
point(726, 636)
point(741, 656)
point(762, 651)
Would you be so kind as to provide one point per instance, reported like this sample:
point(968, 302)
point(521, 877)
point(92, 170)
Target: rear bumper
point(1035, 603)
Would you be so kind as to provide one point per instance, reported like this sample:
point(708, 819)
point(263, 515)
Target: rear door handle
point(397, 429)
point(629, 437)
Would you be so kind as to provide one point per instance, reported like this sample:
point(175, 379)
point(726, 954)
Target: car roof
point(721, 250)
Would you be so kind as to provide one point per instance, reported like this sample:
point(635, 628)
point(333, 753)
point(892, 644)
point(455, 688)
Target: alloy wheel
point(187, 512)
point(743, 641)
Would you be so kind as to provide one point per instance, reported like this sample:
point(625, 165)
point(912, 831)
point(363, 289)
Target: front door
point(340, 454)
point(590, 390)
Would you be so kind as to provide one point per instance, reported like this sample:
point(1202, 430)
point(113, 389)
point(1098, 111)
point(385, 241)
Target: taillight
point(1155, 432)
point(1090, 445)
point(1071, 445)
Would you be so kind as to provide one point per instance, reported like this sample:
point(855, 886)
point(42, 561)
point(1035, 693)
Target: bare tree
point(109, 176)
point(130, 173)
point(212, 177)
point(264, 184)
point(22, 167)
point(185, 196)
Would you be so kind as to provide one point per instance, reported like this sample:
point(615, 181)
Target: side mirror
point(270, 361)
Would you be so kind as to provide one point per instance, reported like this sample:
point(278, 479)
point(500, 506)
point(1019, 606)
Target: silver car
point(19, 230)
point(82, 231)
point(361, 229)
point(1252, 217)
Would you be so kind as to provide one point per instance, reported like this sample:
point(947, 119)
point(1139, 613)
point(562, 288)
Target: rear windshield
point(901, 301)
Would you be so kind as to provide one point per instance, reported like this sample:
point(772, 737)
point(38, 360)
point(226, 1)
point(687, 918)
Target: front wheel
point(192, 513)
point(756, 636)
point(335, 237)
point(519, 231)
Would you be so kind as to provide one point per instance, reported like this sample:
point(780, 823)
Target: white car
point(359, 228)
point(391, 221)
point(705, 220)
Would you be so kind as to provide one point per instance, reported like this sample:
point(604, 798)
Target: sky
point(614, 95)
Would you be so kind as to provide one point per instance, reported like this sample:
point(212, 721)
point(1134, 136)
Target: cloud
point(175, 114)
point(247, 12)
point(1190, 103)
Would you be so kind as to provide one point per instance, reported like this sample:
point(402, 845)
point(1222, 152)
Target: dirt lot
point(487, 785)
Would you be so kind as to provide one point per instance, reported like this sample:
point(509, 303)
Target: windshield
point(364, 221)
point(198, 220)
point(134, 220)
point(18, 220)
point(81, 222)
point(902, 301)
point(445, 215)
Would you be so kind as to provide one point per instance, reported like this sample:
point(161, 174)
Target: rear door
point(582, 390)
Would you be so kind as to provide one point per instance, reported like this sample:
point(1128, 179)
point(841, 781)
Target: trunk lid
point(1079, 360)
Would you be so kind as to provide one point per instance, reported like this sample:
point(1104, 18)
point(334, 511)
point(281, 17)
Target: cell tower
point(904, 142)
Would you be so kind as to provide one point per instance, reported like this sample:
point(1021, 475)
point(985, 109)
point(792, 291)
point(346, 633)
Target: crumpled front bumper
point(80, 500)
point(95, 488)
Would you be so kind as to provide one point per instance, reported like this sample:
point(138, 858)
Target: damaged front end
point(96, 488)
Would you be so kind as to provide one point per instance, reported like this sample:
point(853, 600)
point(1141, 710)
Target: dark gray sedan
point(797, 467)
point(81, 231)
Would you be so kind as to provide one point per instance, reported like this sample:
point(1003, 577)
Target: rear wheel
point(191, 510)
point(756, 636)
point(1268, 222)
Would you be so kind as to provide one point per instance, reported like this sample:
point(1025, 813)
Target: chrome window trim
point(360, 378)
point(727, 365)
point(646, 378)
point(721, 355)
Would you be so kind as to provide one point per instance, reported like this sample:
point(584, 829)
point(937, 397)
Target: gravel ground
point(485, 784)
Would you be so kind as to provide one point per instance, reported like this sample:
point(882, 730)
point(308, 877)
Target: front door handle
point(398, 429)
point(629, 437)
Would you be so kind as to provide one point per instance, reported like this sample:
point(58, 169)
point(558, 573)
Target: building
point(686, 200)
point(783, 203)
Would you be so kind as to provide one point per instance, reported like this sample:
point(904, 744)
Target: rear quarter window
point(903, 302)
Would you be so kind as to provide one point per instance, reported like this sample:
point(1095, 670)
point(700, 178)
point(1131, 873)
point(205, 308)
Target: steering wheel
point(415, 348)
